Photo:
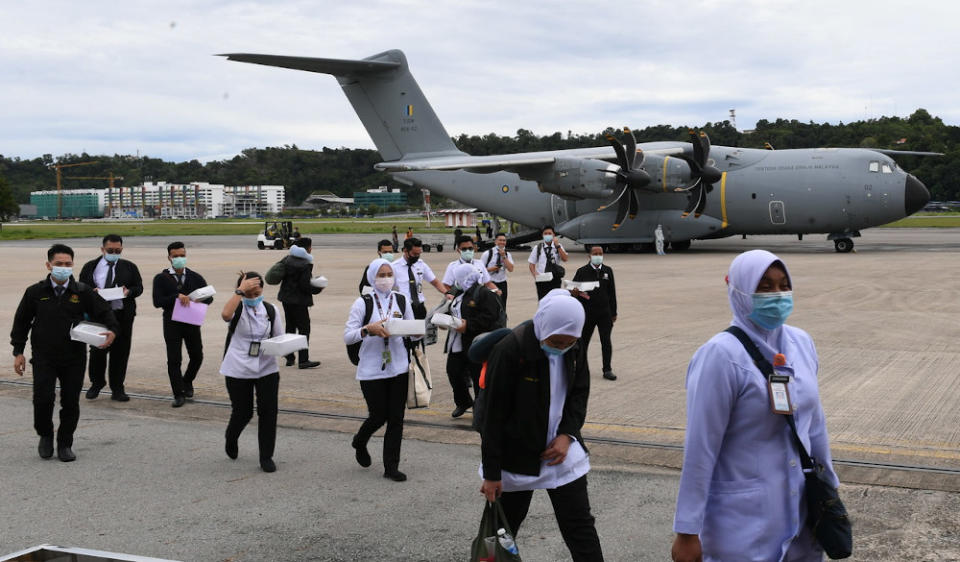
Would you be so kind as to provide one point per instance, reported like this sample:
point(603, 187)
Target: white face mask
point(383, 284)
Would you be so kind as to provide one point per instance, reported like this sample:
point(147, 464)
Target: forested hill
point(345, 170)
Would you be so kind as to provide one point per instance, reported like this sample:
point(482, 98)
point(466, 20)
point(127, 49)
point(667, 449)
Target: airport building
point(195, 200)
point(380, 196)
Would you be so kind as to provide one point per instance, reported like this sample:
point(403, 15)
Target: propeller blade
point(702, 202)
point(705, 146)
point(698, 154)
point(631, 148)
point(622, 209)
point(634, 204)
point(694, 196)
point(618, 148)
point(610, 204)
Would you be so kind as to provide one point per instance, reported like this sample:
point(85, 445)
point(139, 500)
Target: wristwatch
point(238, 292)
point(364, 333)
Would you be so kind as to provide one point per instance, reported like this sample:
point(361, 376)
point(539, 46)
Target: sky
point(141, 77)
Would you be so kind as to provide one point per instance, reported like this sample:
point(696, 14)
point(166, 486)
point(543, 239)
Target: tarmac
point(154, 481)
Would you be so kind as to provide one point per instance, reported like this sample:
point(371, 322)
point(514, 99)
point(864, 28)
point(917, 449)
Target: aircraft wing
point(891, 152)
point(518, 162)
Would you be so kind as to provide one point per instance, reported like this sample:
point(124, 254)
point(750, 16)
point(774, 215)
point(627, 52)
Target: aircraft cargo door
point(777, 214)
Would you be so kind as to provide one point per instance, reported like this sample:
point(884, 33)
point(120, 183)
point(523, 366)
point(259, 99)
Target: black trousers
point(297, 319)
point(503, 293)
point(603, 322)
point(571, 506)
point(118, 352)
point(462, 373)
point(176, 334)
point(545, 287)
point(241, 393)
point(47, 370)
point(386, 403)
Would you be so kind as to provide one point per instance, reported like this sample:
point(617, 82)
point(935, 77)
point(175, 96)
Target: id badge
point(254, 350)
point(779, 394)
point(385, 359)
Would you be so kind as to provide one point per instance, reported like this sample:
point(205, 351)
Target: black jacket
point(481, 309)
point(166, 288)
point(518, 403)
point(51, 318)
point(295, 288)
point(603, 300)
point(125, 274)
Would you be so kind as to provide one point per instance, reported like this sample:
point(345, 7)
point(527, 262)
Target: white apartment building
point(192, 200)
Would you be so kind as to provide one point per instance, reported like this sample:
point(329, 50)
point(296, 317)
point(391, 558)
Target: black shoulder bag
point(826, 515)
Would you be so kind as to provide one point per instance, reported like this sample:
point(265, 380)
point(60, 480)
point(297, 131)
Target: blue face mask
point(61, 274)
point(252, 302)
point(179, 262)
point(554, 351)
point(596, 260)
point(770, 310)
point(387, 256)
point(547, 238)
point(112, 258)
point(466, 255)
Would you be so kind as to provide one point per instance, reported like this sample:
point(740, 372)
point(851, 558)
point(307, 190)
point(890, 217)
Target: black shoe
point(94, 391)
point(363, 456)
point(609, 375)
point(66, 454)
point(308, 364)
point(460, 411)
point(178, 401)
point(232, 448)
point(188, 390)
point(45, 448)
point(290, 361)
point(268, 465)
point(120, 396)
point(395, 475)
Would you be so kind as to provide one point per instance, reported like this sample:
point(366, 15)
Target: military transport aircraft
point(616, 195)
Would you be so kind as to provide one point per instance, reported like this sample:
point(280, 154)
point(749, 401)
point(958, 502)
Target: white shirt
point(421, 273)
point(490, 259)
point(448, 277)
point(576, 463)
point(254, 326)
point(372, 348)
point(100, 278)
point(542, 261)
point(455, 341)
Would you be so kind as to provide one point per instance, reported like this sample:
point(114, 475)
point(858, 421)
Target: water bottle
point(506, 541)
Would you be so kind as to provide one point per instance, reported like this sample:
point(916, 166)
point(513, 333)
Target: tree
point(8, 204)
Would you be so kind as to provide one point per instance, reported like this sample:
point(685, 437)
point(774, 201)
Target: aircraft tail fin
point(385, 96)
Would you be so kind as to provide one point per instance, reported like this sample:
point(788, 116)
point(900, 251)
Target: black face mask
point(413, 259)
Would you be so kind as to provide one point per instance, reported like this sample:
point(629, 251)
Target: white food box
point(445, 321)
point(584, 286)
point(541, 277)
point(284, 344)
point(319, 282)
point(113, 294)
point(89, 333)
point(398, 327)
point(202, 293)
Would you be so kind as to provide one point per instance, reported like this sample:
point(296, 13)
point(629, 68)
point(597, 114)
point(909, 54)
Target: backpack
point(271, 316)
point(353, 349)
point(474, 295)
point(276, 273)
point(552, 266)
point(479, 353)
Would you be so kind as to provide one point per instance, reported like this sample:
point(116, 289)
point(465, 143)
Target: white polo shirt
point(541, 261)
point(489, 258)
point(449, 278)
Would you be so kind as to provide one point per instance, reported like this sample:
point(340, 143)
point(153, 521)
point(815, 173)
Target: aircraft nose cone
point(915, 195)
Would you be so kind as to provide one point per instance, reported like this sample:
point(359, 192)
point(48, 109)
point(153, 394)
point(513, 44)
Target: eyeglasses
point(113, 250)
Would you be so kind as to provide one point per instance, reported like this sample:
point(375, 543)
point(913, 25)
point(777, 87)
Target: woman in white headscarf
point(741, 491)
point(537, 386)
point(383, 366)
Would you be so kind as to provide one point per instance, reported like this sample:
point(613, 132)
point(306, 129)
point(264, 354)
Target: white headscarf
point(372, 270)
point(301, 252)
point(558, 313)
point(745, 273)
point(466, 275)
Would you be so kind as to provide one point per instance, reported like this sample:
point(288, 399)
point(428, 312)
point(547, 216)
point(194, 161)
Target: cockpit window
point(874, 166)
point(887, 169)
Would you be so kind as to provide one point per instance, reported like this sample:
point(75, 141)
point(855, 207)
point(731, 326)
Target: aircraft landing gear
point(843, 245)
point(680, 245)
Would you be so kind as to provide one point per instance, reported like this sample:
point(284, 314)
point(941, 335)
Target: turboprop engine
point(578, 178)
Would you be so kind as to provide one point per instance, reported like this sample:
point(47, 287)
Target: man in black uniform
point(106, 272)
point(296, 294)
point(385, 251)
point(50, 309)
point(170, 286)
point(600, 306)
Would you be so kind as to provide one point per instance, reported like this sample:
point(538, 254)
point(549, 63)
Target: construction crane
point(110, 177)
point(60, 182)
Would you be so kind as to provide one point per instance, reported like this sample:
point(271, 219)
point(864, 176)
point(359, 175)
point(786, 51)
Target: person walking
point(498, 262)
point(600, 306)
point(46, 313)
point(467, 250)
point(396, 239)
point(742, 485)
point(172, 286)
point(296, 295)
point(538, 381)
point(107, 272)
point(383, 367)
point(247, 372)
point(543, 259)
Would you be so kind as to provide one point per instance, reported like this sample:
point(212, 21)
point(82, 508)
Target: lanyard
point(385, 356)
point(376, 299)
point(253, 314)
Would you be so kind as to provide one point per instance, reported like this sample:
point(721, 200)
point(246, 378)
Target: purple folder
point(193, 314)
